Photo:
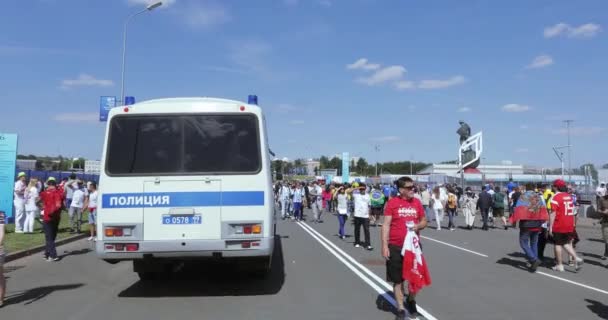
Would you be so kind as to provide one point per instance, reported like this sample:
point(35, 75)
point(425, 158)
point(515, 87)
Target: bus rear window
point(183, 144)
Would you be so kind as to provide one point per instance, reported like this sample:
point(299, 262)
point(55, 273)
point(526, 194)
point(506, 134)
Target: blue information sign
point(345, 167)
point(8, 161)
point(105, 104)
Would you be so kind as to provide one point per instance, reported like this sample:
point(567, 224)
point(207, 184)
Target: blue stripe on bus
point(182, 199)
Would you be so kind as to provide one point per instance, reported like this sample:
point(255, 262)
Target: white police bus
point(183, 179)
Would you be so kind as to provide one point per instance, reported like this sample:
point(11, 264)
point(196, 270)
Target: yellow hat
point(21, 174)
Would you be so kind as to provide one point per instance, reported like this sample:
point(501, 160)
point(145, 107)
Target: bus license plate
point(190, 219)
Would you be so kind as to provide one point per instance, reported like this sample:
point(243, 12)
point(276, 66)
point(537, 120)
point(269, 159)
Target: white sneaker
point(438, 229)
point(558, 268)
point(357, 246)
point(91, 238)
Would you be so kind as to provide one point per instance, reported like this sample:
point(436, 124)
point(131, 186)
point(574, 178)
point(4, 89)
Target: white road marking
point(453, 246)
point(382, 292)
point(538, 272)
point(387, 286)
point(573, 282)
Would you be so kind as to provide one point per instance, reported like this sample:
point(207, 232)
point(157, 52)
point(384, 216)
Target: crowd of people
point(42, 202)
point(544, 213)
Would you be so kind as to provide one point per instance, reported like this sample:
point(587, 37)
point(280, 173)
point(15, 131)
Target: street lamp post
point(568, 122)
point(124, 44)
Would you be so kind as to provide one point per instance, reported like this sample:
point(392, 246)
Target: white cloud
point(540, 62)
point(404, 85)
point(395, 76)
point(440, 84)
point(522, 150)
point(251, 54)
point(465, 109)
point(388, 74)
point(285, 108)
point(166, 3)
point(513, 107)
point(206, 15)
point(588, 30)
point(87, 117)
point(85, 80)
point(17, 50)
point(223, 69)
point(296, 122)
point(363, 64)
point(385, 139)
point(580, 131)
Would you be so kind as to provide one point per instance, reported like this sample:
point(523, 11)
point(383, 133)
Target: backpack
point(54, 203)
point(377, 199)
point(452, 201)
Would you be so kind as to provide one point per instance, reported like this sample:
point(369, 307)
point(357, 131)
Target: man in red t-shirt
point(561, 227)
point(399, 211)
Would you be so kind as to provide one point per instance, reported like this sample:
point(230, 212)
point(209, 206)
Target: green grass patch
point(20, 241)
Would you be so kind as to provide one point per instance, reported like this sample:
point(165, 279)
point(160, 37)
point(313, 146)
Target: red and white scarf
point(415, 270)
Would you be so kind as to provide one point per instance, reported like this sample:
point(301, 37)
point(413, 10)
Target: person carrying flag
point(398, 212)
point(531, 213)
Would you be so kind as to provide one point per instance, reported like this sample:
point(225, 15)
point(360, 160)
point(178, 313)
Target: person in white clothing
point(284, 195)
point(19, 201)
point(342, 208)
point(76, 205)
point(469, 207)
point(438, 204)
point(91, 204)
point(316, 199)
point(362, 203)
point(31, 208)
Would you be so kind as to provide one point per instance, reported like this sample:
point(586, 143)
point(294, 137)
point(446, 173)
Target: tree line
point(59, 163)
point(359, 167)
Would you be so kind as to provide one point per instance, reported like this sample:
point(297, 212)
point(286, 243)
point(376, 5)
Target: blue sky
point(332, 75)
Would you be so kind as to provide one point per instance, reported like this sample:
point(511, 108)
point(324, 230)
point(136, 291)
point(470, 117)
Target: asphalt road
point(476, 275)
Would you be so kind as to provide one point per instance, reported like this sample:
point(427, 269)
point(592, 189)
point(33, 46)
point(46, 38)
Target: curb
point(31, 251)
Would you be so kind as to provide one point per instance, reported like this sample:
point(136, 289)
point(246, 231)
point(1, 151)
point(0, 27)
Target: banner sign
point(345, 167)
point(105, 104)
point(8, 162)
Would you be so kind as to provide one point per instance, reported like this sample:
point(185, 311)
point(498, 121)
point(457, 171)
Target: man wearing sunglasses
point(399, 211)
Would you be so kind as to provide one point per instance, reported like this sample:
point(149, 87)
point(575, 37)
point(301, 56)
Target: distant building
point(92, 167)
point(24, 165)
point(602, 175)
point(451, 169)
point(311, 165)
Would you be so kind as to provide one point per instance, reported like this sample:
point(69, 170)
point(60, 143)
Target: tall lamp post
point(568, 122)
point(124, 44)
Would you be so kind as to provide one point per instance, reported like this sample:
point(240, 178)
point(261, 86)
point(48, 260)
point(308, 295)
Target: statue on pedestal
point(464, 131)
point(467, 153)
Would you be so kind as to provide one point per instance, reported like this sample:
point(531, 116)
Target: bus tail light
point(257, 229)
point(130, 247)
point(247, 229)
point(118, 231)
point(245, 244)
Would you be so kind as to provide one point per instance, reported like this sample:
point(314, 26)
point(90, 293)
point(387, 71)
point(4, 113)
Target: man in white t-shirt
point(362, 202)
point(76, 205)
point(91, 205)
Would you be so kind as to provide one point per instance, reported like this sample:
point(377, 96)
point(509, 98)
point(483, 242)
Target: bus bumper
point(185, 249)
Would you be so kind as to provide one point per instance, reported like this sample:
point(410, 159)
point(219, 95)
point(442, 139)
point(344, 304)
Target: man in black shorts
point(399, 211)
